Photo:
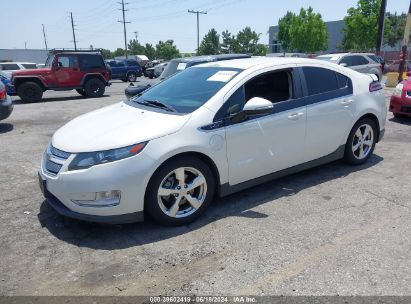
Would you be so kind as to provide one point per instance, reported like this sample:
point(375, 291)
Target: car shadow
point(108, 237)
point(402, 120)
point(56, 99)
point(5, 128)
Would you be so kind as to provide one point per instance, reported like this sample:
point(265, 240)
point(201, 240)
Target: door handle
point(346, 102)
point(295, 116)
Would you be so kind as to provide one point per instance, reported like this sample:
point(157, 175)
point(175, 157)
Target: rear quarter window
point(320, 80)
point(9, 66)
point(91, 62)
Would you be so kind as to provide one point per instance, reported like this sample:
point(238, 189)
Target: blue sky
point(154, 20)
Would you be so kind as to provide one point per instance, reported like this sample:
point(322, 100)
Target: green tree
point(210, 45)
point(246, 41)
point(228, 44)
point(394, 28)
point(305, 32)
point(107, 54)
point(119, 52)
point(360, 29)
point(167, 50)
point(284, 30)
point(135, 48)
point(150, 51)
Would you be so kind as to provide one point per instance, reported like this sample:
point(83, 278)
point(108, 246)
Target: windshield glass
point(185, 92)
point(49, 60)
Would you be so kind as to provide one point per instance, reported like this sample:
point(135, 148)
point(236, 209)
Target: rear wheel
point(179, 191)
point(94, 88)
point(30, 92)
point(361, 142)
point(131, 77)
point(81, 92)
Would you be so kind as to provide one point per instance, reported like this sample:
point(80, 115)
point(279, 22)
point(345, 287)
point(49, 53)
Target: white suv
point(212, 129)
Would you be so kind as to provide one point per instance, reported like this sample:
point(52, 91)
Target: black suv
point(179, 64)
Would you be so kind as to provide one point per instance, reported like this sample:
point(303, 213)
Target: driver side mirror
point(255, 106)
point(343, 64)
point(57, 65)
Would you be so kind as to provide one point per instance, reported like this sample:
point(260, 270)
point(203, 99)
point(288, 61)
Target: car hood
point(31, 72)
point(115, 126)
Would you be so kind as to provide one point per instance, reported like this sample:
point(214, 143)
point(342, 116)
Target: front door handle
point(346, 102)
point(295, 116)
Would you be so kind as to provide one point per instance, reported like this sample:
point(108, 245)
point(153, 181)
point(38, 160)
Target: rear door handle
point(346, 102)
point(295, 116)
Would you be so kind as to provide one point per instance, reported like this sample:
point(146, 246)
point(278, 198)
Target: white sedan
point(212, 129)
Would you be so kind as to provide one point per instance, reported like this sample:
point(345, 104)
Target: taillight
point(375, 86)
point(3, 93)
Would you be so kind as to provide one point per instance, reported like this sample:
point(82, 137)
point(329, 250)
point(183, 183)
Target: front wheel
point(180, 191)
point(361, 142)
point(94, 88)
point(132, 77)
point(30, 92)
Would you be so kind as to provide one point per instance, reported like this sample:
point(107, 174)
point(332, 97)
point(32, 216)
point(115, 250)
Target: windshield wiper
point(157, 104)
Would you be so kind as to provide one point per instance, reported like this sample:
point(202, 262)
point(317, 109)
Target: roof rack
point(75, 50)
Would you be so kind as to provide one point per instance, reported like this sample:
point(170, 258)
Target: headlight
point(398, 89)
point(89, 159)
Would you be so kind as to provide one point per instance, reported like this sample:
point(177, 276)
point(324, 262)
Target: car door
point(68, 73)
point(330, 110)
point(264, 144)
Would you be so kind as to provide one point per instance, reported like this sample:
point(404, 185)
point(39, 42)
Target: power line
point(124, 25)
point(45, 39)
point(198, 24)
point(74, 33)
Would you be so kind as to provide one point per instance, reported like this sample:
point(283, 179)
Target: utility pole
point(405, 41)
point(74, 33)
point(198, 25)
point(124, 25)
point(380, 34)
point(45, 39)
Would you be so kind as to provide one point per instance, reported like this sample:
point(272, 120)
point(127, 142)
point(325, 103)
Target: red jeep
point(84, 71)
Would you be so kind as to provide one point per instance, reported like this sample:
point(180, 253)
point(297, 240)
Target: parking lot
point(332, 230)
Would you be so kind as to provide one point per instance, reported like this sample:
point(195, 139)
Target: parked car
point(393, 66)
point(179, 64)
point(6, 105)
point(83, 71)
point(360, 62)
point(400, 103)
point(158, 69)
point(5, 78)
point(126, 70)
point(378, 59)
point(149, 72)
point(15, 66)
point(216, 128)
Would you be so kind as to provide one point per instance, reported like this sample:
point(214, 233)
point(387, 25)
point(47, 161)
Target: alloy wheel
point(363, 141)
point(182, 192)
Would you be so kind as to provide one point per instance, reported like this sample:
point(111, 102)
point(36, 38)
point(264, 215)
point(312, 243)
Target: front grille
point(58, 153)
point(406, 109)
point(54, 160)
point(53, 167)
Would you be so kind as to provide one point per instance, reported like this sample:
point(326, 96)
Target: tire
point(124, 80)
point(150, 76)
point(81, 92)
point(131, 77)
point(160, 207)
point(361, 142)
point(30, 92)
point(94, 88)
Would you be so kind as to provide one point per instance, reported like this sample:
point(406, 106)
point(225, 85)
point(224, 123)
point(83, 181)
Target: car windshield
point(49, 60)
point(185, 92)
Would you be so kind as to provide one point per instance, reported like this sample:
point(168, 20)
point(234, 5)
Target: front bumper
point(130, 176)
point(6, 107)
point(400, 105)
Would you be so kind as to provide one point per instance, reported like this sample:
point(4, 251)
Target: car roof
point(246, 63)
point(206, 58)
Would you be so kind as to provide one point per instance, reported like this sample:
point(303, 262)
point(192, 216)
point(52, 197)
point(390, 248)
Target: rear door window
point(320, 80)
